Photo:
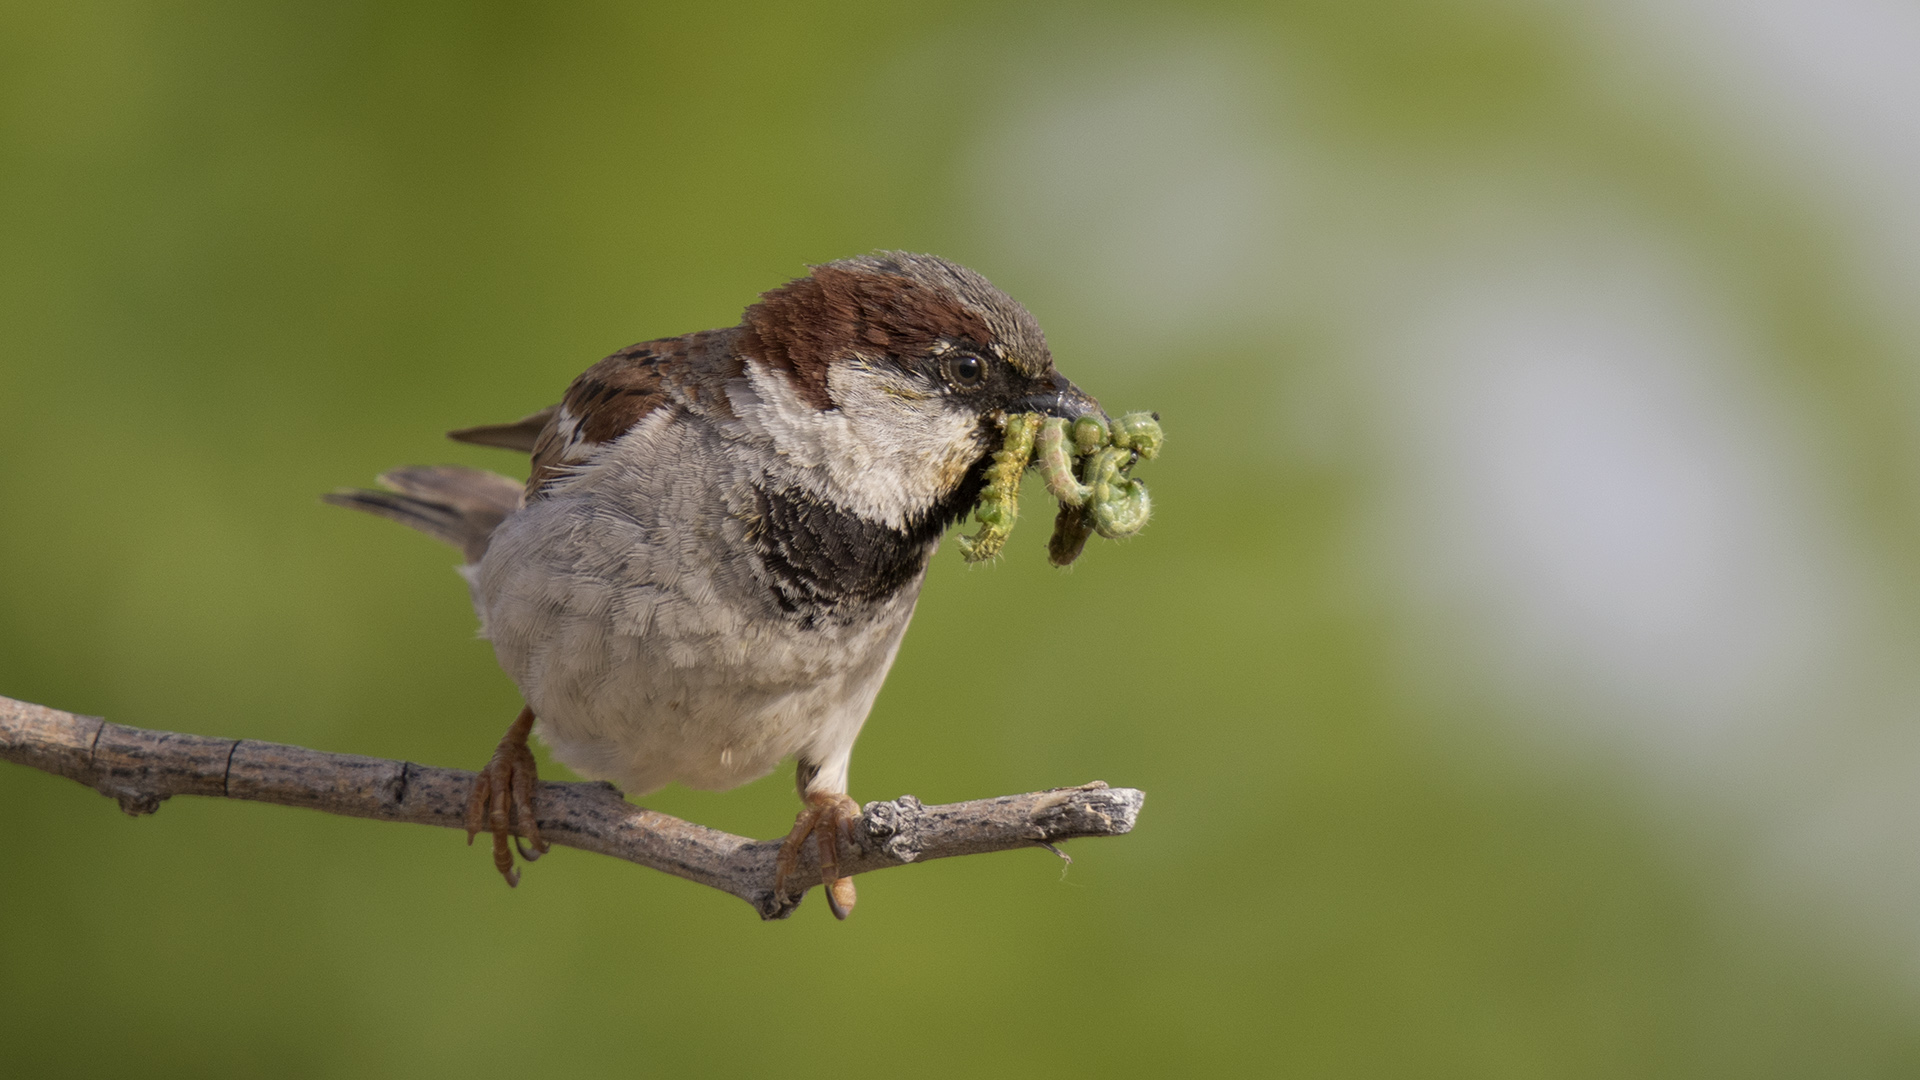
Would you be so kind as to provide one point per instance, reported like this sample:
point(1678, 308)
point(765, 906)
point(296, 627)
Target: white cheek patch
point(889, 449)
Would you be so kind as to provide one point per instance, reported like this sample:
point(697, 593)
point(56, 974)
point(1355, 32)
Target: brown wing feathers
point(601, 405)
point(462, 506)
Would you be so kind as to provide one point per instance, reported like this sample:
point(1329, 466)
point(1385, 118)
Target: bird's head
point(889, 374)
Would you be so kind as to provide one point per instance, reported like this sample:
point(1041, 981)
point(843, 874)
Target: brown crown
point(805, 325)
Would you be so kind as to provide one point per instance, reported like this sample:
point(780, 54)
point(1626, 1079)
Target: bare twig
point(141, 768)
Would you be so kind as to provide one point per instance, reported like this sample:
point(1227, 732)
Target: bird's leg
point(502, 800)
point(828, 818)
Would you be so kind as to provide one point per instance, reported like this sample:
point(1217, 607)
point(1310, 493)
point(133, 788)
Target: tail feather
point(520, 435)
point(451, 503)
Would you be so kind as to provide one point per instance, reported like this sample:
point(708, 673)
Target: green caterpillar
point(1085, 464)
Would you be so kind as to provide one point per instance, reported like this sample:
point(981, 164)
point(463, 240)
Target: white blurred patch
point(1827, 93)
point(1589, 478)
point(1148, 188)
point(1608, 507)
point(1822, 91)
point(1595, 495)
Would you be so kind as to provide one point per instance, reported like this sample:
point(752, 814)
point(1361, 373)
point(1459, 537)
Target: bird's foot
point(829, 819)
point(502, 800)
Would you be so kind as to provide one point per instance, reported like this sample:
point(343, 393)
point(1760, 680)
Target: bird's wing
point(602, 404)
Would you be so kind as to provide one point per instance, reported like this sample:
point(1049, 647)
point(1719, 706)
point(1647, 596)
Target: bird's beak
point(1063, 399)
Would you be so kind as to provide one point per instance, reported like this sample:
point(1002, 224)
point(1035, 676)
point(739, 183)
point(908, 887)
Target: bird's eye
point(966, 372)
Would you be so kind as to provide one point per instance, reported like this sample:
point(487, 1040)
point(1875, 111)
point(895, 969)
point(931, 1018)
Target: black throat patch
point(826, 565)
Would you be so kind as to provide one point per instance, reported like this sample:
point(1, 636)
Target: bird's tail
point(451, 503)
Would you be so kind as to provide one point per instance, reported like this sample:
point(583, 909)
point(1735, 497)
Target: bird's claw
point(829, 819)
point(502, 801)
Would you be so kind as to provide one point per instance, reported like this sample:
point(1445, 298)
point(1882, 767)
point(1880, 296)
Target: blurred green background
point(1518, 667)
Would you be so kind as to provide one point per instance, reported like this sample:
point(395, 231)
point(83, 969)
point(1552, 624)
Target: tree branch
point(141, 768)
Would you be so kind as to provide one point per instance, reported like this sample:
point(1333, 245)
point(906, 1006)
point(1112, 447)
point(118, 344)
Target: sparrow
point(723, 536)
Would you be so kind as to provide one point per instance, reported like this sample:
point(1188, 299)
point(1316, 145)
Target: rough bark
point(142, 768)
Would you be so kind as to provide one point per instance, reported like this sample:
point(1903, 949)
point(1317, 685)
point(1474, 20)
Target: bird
point(723, 536)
